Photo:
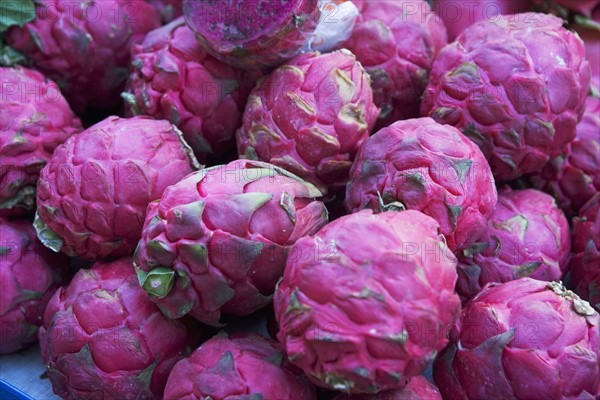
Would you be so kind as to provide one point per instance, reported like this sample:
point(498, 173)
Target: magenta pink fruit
point(34, 119)
point(309, 117)
point(30, 273)
point(252, 34)
point(92, 195)
point(527, 236)
point(574, 176)
point(421, 165)
point(103, 339)
point(217, 241)
point(516, 86)
point(459, 15)
point(396, 41)
point(84, 45)
point(168, 9)
point(174, 78)
point(237, 367)
point(524, 339)
point(418, 388)
point(585, 264)
point(365, 302)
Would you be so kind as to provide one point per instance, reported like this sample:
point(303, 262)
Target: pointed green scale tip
point(498, 245)
point(225, 363)
point(455, 212)
point(476, 248)
point(337, 382)
point(16, 13)
point(46, 235)
point(397, 376)
point(399, 338)
point(462, 168)
point(145, 376)
point(157, 282)
point(466, 68)
point(367, 293)
point(4, 250)
point(158, 247)
point(104, 294)
point(442, 112)
point(416, 180)
point(527, 269)
point(295, 306)
point(287, 203)
point(276, 358)
point(130, 100)
point(391, 205)
point(250, 153)
point(252, 201)
point(273, 170)
point(472, 132)
point(25, 295)
point(362, 372)
point(516, 225)
point(370, 168)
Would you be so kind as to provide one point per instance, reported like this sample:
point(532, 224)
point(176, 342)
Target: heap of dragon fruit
point(403, 194)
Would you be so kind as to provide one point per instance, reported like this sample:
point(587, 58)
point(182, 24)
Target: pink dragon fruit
point(365, 303)
point(396, 41)
point(309, 117)
point(174, 78)
point(30, 273)
point(585, 264)
point(217, 241)
point(247, 366)
point(169, 9)
point(524, 339)
point(418, 388)
point(84, 45)
point(421, 165)
point(574, 176)
point(34, 119)
point(527, 236)
point(516, 86)
point(252, 34)
point(459, 15)
point(103, 339)
point(92, 195)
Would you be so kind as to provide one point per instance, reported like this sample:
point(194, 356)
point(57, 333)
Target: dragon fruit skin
point(417, 388)
point(217, 241)
point(92, 195)
point(174, 78)
point(169, 9)
point(84, 45)
point(457, 15)
point(365, 302)
point(309, 117)
point(252, 34)
point(527, 236)
point(427, 167)
point(34, 119)
point(245, 366)
point(585, 263)
point(103, 338)
point(30, 273)
point(516, 86)
point(396, 42)
point(523, 339)
point(573, 177)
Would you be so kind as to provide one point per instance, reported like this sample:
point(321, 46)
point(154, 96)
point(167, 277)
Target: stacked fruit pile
point(404, 198)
